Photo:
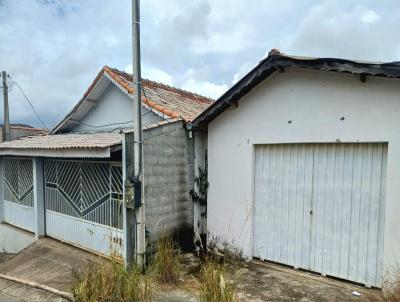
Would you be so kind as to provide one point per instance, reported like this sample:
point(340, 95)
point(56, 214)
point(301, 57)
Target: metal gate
point(83, 201)
point(18, 192)
point(321, 207)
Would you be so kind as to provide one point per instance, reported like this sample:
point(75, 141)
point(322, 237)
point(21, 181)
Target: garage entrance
point(83, 201)
point(320, 207)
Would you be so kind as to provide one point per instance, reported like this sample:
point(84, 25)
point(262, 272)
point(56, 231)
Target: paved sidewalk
point(7, 298)
point(15, 292)
point(47, 262)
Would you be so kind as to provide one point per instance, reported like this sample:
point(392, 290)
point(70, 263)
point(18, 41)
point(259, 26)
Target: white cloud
point(205, 88)
point(158, 75)
point(153, 74)
point(370, 17)
point(54, 49)
point(129, 68)
point(333, 29)
point(242, 71)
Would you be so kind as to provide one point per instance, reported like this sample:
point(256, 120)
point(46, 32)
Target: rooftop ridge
point(167, 87)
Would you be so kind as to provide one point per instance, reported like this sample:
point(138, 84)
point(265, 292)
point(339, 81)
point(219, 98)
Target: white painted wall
point(113, 106)
point(314, 101)
point(13, 240)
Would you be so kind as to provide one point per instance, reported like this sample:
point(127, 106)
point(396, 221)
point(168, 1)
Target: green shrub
point(105, 281)
point(213, 287)
point(166, 265)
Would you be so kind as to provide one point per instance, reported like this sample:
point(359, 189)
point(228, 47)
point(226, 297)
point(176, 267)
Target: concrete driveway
point(15, 292)
point(50, 262)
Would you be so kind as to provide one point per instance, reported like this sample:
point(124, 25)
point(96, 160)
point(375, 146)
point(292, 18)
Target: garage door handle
point(311, 212)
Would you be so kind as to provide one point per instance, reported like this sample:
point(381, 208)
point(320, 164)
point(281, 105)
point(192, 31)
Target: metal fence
point(88, 190)
point(18, 192)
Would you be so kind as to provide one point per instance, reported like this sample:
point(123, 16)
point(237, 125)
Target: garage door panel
point(320, 174)
point(355, 216)
point(345, 210)
point(293, 204)
point(320, 207)
point(303, 176)
point(285, 188)
point(379, 265)
point(364, 215)
point(307, 222)
point(374, 211)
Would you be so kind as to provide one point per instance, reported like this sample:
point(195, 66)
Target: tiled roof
point(168, 102)
point(64, 141)
point(28, 128)
point(171, 101)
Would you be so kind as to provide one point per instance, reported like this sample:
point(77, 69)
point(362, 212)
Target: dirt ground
point(259, 281)
point(50, 262)
point(256, 281)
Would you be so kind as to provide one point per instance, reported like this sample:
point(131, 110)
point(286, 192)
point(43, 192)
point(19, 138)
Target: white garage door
point(320, 207)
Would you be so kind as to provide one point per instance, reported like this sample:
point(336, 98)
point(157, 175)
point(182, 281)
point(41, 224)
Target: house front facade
point(304, 164)
point(71, 185)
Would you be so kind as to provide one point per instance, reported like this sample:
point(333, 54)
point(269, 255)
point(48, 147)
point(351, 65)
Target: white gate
point(83, 202)
point(18, 193)
point(321, 207)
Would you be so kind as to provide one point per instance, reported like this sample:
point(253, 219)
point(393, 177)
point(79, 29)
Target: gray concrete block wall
point(168, 175)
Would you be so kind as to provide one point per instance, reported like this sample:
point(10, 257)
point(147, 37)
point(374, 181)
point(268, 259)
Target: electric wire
point(30, 103)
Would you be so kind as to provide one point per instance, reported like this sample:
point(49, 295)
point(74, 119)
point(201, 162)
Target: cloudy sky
point(55, 48)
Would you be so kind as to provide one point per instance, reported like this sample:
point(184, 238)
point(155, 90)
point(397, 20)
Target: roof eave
point(59, 153)
point(92, 86)
point(278, 62)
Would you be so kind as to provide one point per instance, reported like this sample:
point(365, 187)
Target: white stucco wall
point(113, 106)
point(314, 101)
point(13, 240)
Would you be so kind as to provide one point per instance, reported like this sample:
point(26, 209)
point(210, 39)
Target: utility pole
point(6, 123)
point(138, 138)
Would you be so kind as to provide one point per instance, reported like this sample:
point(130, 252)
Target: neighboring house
point(70, 185)
point(304, 164)
point(20, 130)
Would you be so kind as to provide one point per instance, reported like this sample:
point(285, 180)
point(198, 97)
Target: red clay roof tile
point(171, 101)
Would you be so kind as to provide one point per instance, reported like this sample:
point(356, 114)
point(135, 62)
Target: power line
point(105, 125)
point(30, 103)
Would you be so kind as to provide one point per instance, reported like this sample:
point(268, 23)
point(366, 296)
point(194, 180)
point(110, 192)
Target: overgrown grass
point(392, 294)
point(106, 281)
point(166, 265)
point(214, 287)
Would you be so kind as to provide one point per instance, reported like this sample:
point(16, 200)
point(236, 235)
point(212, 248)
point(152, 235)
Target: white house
point(71, 185)
point(304, 166)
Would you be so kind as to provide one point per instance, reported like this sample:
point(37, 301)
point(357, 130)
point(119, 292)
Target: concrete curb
point(51, 290)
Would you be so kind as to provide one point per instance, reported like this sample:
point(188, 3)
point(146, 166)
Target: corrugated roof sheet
point(65, 142)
